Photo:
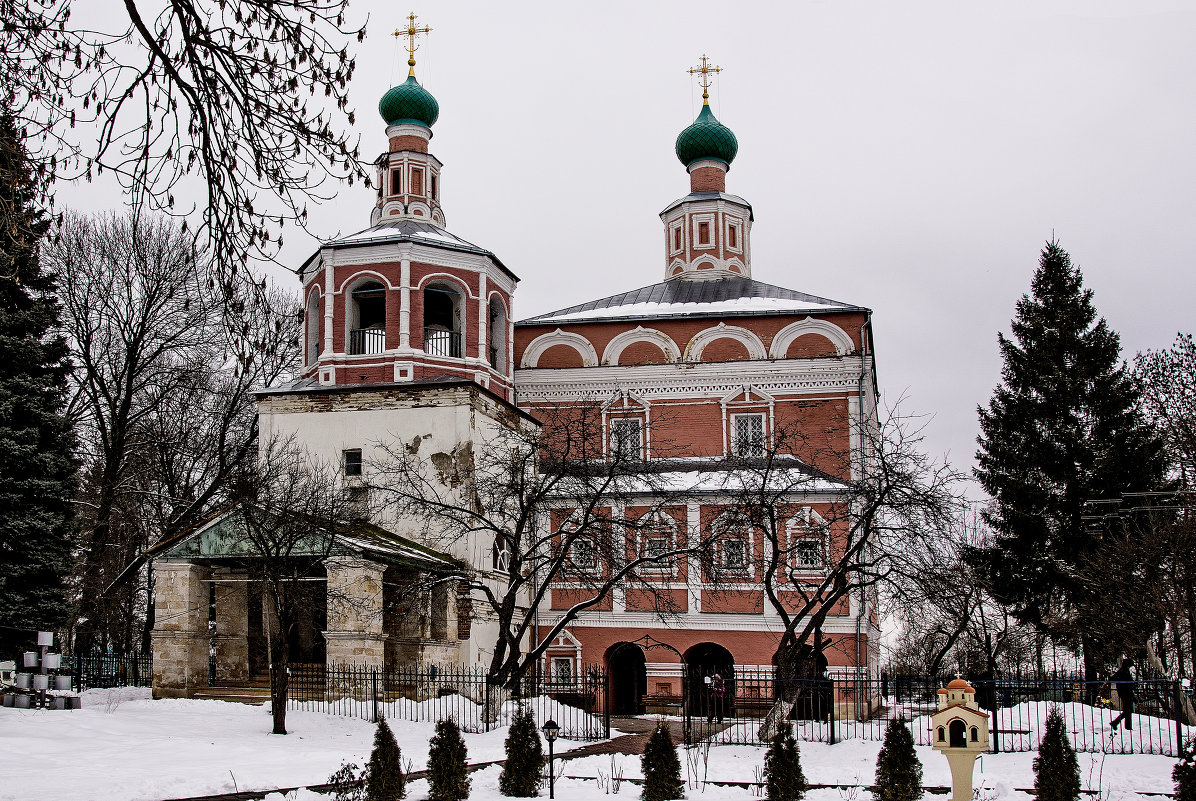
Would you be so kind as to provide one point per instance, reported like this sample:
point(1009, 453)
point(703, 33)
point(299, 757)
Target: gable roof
point(683, 298)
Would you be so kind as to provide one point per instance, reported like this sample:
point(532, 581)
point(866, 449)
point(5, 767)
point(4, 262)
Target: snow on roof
point(425, 233)
point(679, 298)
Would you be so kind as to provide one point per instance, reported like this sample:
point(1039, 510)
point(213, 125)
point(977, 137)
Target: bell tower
point(707, 231)
point(408, 175)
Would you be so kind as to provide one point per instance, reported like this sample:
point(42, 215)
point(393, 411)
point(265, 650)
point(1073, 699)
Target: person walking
point(1123, 682)
point(718, 694)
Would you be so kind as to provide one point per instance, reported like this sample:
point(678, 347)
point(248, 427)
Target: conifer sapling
point(662, 767)
point(1184, 772)
point(1056, 770)
point(448, 772)
point(898, 769)
point(783, 776)
point(384, 779)
point(521, 773)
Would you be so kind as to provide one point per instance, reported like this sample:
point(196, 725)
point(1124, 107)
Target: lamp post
point(550, 729)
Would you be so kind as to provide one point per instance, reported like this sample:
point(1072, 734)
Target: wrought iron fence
point(578, 704)
point(367, 341)
point(438, 342)
point(845, 707)
point(100, 669)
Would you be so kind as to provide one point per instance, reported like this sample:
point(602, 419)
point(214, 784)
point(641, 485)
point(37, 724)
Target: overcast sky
point(911, 157)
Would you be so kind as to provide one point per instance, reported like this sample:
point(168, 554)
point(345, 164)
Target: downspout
point(859, 618)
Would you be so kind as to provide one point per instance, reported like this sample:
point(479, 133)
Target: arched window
point(367, 318)
point(442, 320)
point(498, 335)
point(312, 318)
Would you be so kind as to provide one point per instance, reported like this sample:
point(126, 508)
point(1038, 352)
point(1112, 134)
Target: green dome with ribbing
point(409, 103)
point(707, 138)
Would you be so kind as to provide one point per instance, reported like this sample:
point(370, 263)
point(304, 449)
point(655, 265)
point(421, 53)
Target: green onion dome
point(707, 138)
point(409, 103)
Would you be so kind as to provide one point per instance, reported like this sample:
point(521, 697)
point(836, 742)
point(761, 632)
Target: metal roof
point(407, 230)
point(680, 297)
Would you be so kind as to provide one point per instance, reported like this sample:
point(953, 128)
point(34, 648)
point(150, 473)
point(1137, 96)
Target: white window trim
point(728, 224)
point(657, 527)
point(696, 240)
point(733, 439)
point(677, 225)
point(809, 526)
point(613, 425)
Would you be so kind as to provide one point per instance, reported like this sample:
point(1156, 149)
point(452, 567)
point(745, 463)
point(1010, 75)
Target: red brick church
point(410, 327)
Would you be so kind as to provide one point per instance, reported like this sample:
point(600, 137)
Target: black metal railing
point(431, 693)
point(110, 670)
point(845, 707)
point(366, 341)
point(438, 342)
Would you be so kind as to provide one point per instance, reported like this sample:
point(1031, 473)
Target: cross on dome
point(412, 32)
point(704, 71)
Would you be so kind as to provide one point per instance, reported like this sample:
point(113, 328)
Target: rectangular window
point(396, 182)
point(747, 435)
point(417, 182)
point(582, 553)
point(734, 555)
point(677, 238)
point(733, 236)
point(562, 670)
point(500, 555)
point(352, 462)
point(655, 547)
point(434, 187)
point(807, 554)
point(703, 233)
point(626, 438)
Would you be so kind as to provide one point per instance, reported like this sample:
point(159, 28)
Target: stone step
point(241, 695)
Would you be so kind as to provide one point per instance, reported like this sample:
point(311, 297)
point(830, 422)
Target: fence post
point(374, 688)
point(1177, 697)
point(831, 716)
point(486, 716)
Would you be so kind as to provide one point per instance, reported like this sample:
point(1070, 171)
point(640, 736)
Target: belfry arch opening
point(442, 320)
point(498, 335)
point(311, 317)
point(367, 318)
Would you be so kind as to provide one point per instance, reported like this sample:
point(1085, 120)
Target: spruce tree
point(448, 771)
point(783, 776)
point(898, 769)
point(662, 767)
point(1184, 772)
point(384, 777)
point(1064, 427)
point(1056, 771)
point(525, 757)
point(36, 466)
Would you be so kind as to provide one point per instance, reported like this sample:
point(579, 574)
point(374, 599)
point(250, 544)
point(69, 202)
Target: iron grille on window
point(438, 342)
point(808, 554)
point(748, 435)
point(626, 439)
point(734, 555)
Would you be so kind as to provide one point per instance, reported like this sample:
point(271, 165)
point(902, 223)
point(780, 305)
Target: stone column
point(354, 635)
point(180, 636)
point(232, 625)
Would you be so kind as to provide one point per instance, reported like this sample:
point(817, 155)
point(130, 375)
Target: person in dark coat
point(1123, 682)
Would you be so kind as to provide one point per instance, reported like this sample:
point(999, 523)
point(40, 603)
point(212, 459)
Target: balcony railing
point(366, 341)
point(438, 342)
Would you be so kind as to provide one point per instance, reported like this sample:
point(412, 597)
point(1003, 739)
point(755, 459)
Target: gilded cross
point(412, 32)
point(704, 71)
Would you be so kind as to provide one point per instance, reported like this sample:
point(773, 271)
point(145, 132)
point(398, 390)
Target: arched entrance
point(628, 670)
point(710, 670)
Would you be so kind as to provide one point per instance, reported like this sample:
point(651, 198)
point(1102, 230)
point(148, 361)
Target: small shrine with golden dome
point(960, 733)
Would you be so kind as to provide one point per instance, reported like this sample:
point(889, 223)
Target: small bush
point(448, 772)
point(898, 769)
point(384, 778)
point(520, 776)
point(1056, 771)
point(1184, 772)
point(662, 768)
point(783, 776)
point(346, 784)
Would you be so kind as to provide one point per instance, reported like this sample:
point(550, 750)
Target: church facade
point(410, 337)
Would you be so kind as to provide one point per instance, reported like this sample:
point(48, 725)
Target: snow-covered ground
point(123, 746)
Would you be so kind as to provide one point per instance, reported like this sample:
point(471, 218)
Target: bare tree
point(288, 512)
point(240, 103)
point(558, 512)
point(161, 398)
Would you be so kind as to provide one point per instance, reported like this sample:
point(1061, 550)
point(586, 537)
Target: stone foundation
point(180, 636)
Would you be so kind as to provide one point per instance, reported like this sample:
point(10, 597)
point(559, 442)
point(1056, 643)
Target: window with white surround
point(562, 670)
point(626, 438)
point(747, 435)
point(500, 555)
point(582, 553)
point(808, 554)
point(734, 555)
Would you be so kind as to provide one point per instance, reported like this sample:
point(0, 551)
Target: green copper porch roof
point(224, 536)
